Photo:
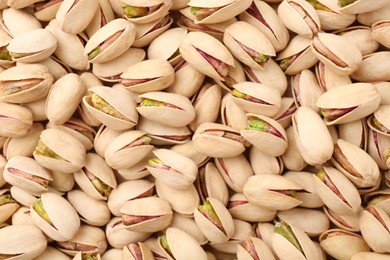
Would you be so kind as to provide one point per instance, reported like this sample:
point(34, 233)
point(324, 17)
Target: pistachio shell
point(363, 37)
point(368, 72)
point(52, 253)
point(163, 7)
point(148, 32)
point(369, 255)
point(62, 182)
point(189, 226)
point(7, 209)
point(15, 120)
point(363, 6)
point(327, 79)
point(330, 16)
point(131, 251)
point(379, 198)
point(188, 149)
point(263, 163)
point(292, 159)
point(23, 197)
point(241, 209)
point(102, 16)
point(369, 18)
point(305, 89)
point(377, 148)
point(261, 250)
point(18, 21)
point(103, 138)
point(382, 89)
point(348, 222)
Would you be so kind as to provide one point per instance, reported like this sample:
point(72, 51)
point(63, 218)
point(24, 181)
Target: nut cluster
point(195, 129)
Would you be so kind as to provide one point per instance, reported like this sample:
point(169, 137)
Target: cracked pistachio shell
point(74, 16)
point(91, 211)
point(188, 225)
point(121, 101)
point(342, 244)
point(174, 169)
point(133, 250)
point(118, 34)
point(307, 136)
point(231, 113)
point(52, 253)
point(103, 138)
point(316, 221)
point(163, 7)
point(32, 46)
point(374, 225)
point(22, 242)
point(23, 197)
point(216, 145)
point(163, 134)
point(173, 106)
point(368, 72)
point(270, 139)
point(103, 15)
point(240, 208)
point(263, 163)
point(188, 149)
point(292, 159)
point(349, 222)
point(71, 151)
point(370, 255)
point(182, 201)
point(308, 195)
point(378, 148)
point(273, 192)
point(26, 173)
point(235, 171)
point(110, 71)
point(355, 164)
point(362, 36)
point(260, 249)
point(149, 214)
point(70, 50)
point(13, 79)
point(209, 229)
point(181, 245)
point(24, 145)
point(235, 74)
point(18, 21)
point(267, 99)
point(300, 17)
point(15, 120)
point(305, 89)
point(336, 191)
point(348, 103)
point(327, 79)
point(7, 209)
point(271, 26)
point(154, 246)
point(363, 6)
point(338, 53)
point(355, 132)
point(62, 101)
point(148, 32)
point(136, 172)
point(243, 33)
point(210, 183)
point(264, 231)
point(209, 46)
point(98, 168)
point(124, 152)
point(46, 12)
point(90, 236)
point(380, 31)
point(56, 207)
point(380, 198)
point(55, 67)
point(297, 56)
point(126, 191)
point(148, 75)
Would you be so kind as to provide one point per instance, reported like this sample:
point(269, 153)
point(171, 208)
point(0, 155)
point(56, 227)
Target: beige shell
point(103, 138)
point(130, 252)
point(363, 38)
point(8, 209)
point(119, 156)
point(379, 198)
point(91, 211)
point(241, 209)
point(188, 149)
point(178, 108)
point(380, 32)
point(260, 247)
point(235, 74)
point(23, 197)
point(220, 146)
point(69, 148)
point(3, 162)
point(148, 32)
point(26, 72)
point(15, 120)
point(52, 253)
point(292, 159)
point(157, 208)
point(35, 45)
point(263, 163)
point(347, 201)
point(62, 182)
point(102, 16)
point(377, 148)
point(80, 255)
point(17, 21)
point(331, 18)
point(55, 67)
point(117, 47)
point(96, 166)
point(158, 73)
point(267, 142)
point(248, 35)
point(188, 225)
point(163, 7)
point(25, 241)
point(348, 222)
point(46, 12)
point(231, 114)
point(262, 190)
point(56, 207)
point(355, 132)
point(305, 89)
point(370, 255)
point(368, 72)
point(363, 6)
point(122, 101)
point(328, 80)
point(182, 170)
point(369, 18)
point(210, 230)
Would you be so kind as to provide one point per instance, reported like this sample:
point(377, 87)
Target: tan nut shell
point(52, 253)
point(373, 68)
point(102, 16)
point(8, 209)
point(363, 37)
point(231, 114)
point(188, 225)
point(188, 149)
point(163, 9)
point(146, 33)
point(292, 159)
point(18, 21)
point(327, 79)
point(261, 248)
point(103, 138)
point(363, 6)
point(15, 120)
point(263, 163)
point(248, 211)
point(146, 253)
point(370, 255)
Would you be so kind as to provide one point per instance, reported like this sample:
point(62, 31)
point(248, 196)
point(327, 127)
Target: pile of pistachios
point(195, 129)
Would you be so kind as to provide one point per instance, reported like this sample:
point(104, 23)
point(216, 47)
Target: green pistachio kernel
point(318, 6)
point(92, 54)
point(147, 139)
point(208, 210)
point(165, 245)
point(18, 55)
point(102, 105)
point(152, 103)
point(258, 125)
point(6, 199)
point(38, 207)
point(134, 11)
point(238, 94)
point(194, 10)
point(101, 187)
point(42, 149)
point(343, 3)
point(262, 58)
point(89, 257)
point(321, 175)
point(4, 55)
point(154, 161)
point(286, 231)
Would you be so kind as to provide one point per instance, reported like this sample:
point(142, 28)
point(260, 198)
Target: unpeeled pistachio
point(17, 21)
point(305, 89)
point(240, 208)
point(360, 6)
point(349, 222)
point(370, 255)
point(373, 68)
point(103, 15)
point(52, 253)
point(362, 36)
point(8, 205)
point(263, 163)
point(141, 12)
point(369, 18)
point(55, 67)
point(382, 89)
point(148, 32)
point(22, 196)
point(136, 251)
point(15, 120)
point(86, 256)
point(231, 113)
point(46, 10)
point(61, 181)
point(327, 79)
point(254, 248)
point(188, 149)
point(292, 159)
point(103, 138)
point(188, 225)
point(380, 198)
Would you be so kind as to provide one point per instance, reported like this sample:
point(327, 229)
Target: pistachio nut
point(273, 192)
point(149, 214)
point(91, 211)
point(378, 148)
point(172, 168)
point(148, 32)
point(307, 136)
point(290, 242)
point(342, 244)
point(369, 255)
point(15, 120)
point(300, 17)
point(240, 208)
point(136, 251)
point(141, 12)
point(327, 79)
point(126, 191)
point(188, 149)
point(217, 140)
point(379, 198)
point(349, 222)
point(62, 182)
point(206, 54)
point(292, 158)
point(16, 21)
point(8, 205)
point(265, 134)
point(25, 83)
point(48, 214)
point(374, 225)
point(161, 107)
point(149, 75)
point(46, 10)
point(358, 101)
point(382, 89)
point(362, 36)
point(3, 162)
point(21, 242)
point(103, 15)
point(355, 132)
point(217, 11)
point(263, 163)
point(360, 6)
point(96, 178)
point(337, 53)
point(254, 248)
point(103, 138)
point(55, 67)
point(305, 89)
point(110, 41)
point(367, 72)
point(188, 225)
point(65, 154)
point(369, 18)
point(231, 114)
point(240, 38)
point(336, 191)
point(154, 246)
point(23, 196)
point(379, 32)
point(215, 221)
point(86, 256)
point(113, 107)
point(52, 253)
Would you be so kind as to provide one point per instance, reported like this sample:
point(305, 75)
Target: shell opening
point(324, 51)
point(37, 179)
